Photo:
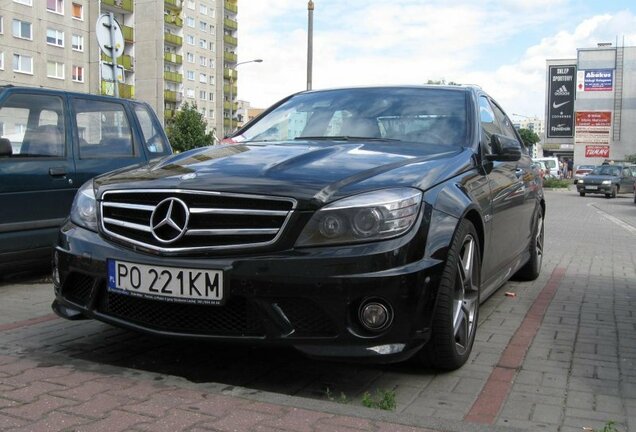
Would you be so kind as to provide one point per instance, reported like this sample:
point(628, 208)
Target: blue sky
point(501, 45)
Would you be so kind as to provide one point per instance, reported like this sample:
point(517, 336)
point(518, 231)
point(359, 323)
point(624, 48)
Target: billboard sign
point(596, 80)
point(561, 101)
point(597, 151)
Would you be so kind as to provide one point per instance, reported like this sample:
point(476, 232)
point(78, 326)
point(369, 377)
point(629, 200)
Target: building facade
point(175, 51)
point(591, 105)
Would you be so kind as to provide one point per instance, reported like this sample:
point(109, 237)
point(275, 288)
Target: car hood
point(316, 171)
point(598, 179)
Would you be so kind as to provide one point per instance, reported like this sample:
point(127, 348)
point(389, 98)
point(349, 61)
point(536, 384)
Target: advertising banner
point(597, 80)
point(561, 101)
point(597, 151)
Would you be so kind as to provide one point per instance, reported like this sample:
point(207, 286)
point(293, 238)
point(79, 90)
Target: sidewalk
point(559, 355)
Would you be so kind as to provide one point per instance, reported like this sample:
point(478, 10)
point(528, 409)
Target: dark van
point(51, 142)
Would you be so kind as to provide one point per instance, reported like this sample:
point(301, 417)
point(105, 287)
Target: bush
point(556, 183)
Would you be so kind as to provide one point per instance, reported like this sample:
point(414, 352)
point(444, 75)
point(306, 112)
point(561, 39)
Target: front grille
point(236, 318)
point(307, 318)
point(77, 288)
point(184, 221)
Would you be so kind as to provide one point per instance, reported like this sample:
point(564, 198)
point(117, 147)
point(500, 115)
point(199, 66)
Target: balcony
point(173, 19)
point(173, 39)
point(126, 5)
point(173, 58)
point(125, 91)
point(173, 4)
point(226, 106)
point(230, 40)
point(168, 114)
point(226, 74)
point(231, 6)
point(229, 56)
point(173, 76)
point(226, 89)
point(129, 34)
point(172, 96)
point(230, 24)
point(126, 61)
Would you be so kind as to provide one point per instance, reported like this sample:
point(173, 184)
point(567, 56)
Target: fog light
point(374, 315)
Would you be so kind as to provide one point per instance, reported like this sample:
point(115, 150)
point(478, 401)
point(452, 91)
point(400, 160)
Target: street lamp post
point(310, 42)
point(232, 88)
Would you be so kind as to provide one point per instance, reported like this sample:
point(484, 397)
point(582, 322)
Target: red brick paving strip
point(29, 322)
point(495, 392)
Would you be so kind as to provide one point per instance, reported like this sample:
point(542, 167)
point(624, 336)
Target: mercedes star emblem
point(169, 220)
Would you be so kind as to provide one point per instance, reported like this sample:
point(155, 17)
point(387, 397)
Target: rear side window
point(32, 126)
point(103, 129)
point(153, 138)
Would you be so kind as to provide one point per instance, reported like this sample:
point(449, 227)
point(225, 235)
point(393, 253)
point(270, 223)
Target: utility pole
point(310, 40)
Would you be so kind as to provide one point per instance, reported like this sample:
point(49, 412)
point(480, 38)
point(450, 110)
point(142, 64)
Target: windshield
point(427, 116)
point(607, 170)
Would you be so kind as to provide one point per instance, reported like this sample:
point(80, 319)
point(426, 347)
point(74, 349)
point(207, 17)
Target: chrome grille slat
point(218, 232)
point(217, 220)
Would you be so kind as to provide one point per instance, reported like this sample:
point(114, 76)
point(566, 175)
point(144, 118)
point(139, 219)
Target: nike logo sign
point(556, 105)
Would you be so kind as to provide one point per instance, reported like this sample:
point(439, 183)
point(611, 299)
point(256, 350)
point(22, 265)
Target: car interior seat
point(5, 147)
point(360, 127)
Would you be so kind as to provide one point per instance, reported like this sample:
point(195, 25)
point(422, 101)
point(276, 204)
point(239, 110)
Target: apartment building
point(175, 51)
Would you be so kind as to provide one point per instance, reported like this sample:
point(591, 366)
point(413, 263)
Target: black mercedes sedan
point(360, 223)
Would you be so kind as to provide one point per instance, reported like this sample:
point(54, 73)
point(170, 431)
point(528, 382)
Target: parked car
point(551, 164)
point(581, 171)
point(356, 223)
point(51, 143)
point(609, 180)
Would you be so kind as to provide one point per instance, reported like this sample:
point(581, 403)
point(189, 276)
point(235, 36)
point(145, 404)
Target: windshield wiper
point(344, 138)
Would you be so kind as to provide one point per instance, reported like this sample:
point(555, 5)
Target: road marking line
point(26, 323)
point(495, 392)
point(614, 219)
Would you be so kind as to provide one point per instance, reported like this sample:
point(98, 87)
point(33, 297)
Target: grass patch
point(609, 427)
point(384, 400)
point(333, 398)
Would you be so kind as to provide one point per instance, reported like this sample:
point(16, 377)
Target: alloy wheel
point(466, 295)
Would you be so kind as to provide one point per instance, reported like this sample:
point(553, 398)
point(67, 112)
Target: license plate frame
point(167, 283)
point(591, 187)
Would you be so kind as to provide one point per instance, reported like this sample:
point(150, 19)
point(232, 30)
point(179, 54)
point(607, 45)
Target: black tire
point(634, 197)
point(458, 296)
point(612, 194)
point(614, 191)
point(582, 193)
point(531, 270)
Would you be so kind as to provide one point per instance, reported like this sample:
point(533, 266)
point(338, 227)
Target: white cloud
point(361, 42)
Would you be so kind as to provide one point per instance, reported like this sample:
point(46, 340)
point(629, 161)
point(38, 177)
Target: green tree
point(529, 137)
point(187, 130)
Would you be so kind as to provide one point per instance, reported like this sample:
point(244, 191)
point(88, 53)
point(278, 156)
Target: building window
point(56, 6)
point(203, 78)
point(78, 11)
point(202, 43)
point(190, 57)
point(1, 60)
point(55, 70)
point(24, 2)
point(212, 29)
point(78, 74)
point(55, 37)
point(191, 4)
point(190, 75)
point(1, 24)
point(211, 63)
point(202, 94)
point(190, 39)
point(22, 63)
point(203, 61)
point(211, 46)
point(77, 42)
point(203, 9)
point(190, 93)
point(203, 26)
point(22, 29)
point(211, 96)
point(190, 22)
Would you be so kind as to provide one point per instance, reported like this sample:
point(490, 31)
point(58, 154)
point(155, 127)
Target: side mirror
point(504, 149)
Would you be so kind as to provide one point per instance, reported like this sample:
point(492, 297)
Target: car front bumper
point(595, 189)
point(307, 298)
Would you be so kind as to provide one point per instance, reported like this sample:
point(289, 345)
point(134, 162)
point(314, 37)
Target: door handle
point(57, 171)
point(518, 172)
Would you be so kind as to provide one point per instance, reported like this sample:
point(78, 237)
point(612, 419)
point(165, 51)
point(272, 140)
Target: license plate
point(174, 284)
point(591, 187)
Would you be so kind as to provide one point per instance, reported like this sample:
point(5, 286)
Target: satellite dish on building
point(109, 35)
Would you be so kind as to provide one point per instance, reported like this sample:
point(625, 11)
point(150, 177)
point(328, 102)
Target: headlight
point(606, 182)
point(84, 209)
point(581, 181)
point(369, 216)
